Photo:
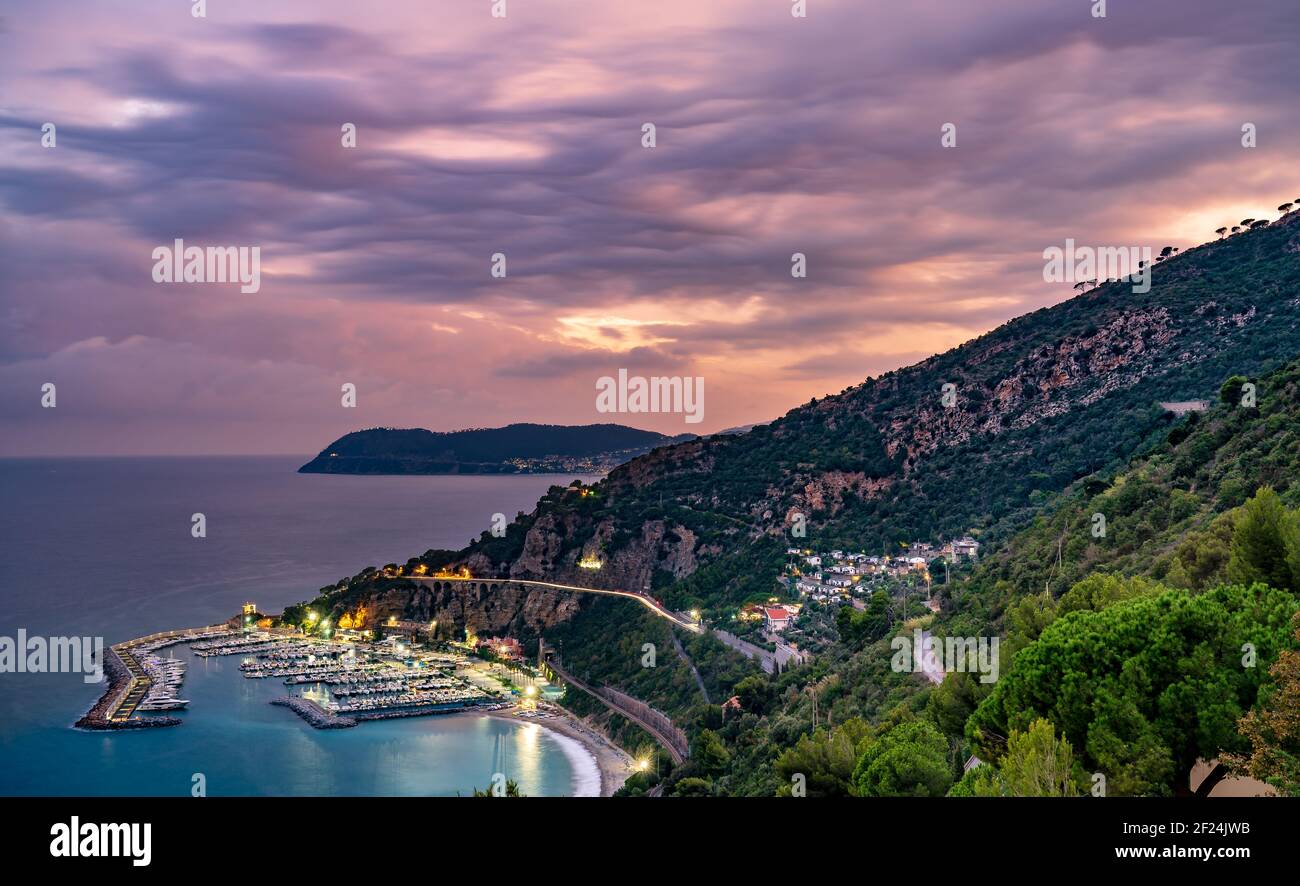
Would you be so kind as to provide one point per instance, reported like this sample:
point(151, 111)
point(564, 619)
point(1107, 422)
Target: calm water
point(102, 547)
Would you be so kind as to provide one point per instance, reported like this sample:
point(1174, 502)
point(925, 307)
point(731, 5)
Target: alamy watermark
point(1098, 264)
point(924, 654)
point(78, 839)
point(684, 394)
point(53, 655)
point(213, 264)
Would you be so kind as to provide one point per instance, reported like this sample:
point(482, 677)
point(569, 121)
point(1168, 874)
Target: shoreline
point(612, 762)
point(613, 765)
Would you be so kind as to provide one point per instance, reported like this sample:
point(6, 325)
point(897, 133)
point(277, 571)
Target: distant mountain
point(514, 449)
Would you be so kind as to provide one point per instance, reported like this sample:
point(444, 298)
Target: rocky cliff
point(1034, 405)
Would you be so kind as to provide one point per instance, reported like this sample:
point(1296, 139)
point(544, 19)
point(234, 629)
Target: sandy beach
point(614, 763)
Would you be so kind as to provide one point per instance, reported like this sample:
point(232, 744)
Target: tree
point(693, 787)
point(1036, 764)
point(1026, 619)
point(1101, 589)
point(909, 760)
point(1230, 391)
point(1220, 232)
point(857, 628)
point(754, 692)
point(954, 700)
point(1273, 729)
point(979, 781)
point(1201, 558)
point(1264, 543)
point(1144, 688)
point(826, 759)
point(710, 752)
point(1285, 208)
point(512, 790)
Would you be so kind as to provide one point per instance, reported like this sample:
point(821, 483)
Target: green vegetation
point(1133, 656)
point(909, 760)
point(511, 789)
point(1140, 567)
point(1036, 764)
point(1273, 729)
point(1143, 688)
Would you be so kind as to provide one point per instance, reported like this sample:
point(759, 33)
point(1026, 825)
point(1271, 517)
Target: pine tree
point(1263, 542)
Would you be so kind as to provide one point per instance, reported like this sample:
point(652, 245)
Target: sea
point(102, 547)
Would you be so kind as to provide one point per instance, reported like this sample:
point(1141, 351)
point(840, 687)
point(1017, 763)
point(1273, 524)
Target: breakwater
point(313, 713)
point(142, 683)
point(427, 710)
point(119, 682)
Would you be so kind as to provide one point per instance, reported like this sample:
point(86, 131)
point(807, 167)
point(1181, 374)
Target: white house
point(806, 585)
point(778, 618)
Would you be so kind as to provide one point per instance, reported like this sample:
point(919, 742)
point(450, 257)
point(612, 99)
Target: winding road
point(645, 600)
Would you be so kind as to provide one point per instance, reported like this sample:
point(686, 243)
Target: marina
point(353, 679)
point(148, 580)
point(340, 681)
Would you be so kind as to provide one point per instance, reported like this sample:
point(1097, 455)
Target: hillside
point(1169, 515)
point(1057, 417)
point(1041, 401)
point(516, 448)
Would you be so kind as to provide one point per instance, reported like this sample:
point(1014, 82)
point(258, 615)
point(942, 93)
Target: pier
point(141, 682)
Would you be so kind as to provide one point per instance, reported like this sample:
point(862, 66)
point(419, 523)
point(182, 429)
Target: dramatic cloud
point(522, 136)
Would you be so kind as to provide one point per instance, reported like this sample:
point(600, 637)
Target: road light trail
point(649, 602)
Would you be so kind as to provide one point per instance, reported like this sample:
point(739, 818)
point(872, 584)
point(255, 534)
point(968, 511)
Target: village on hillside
point(823, 581)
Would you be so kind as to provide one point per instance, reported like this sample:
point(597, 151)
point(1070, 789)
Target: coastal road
point(769, 660)
point(645, 600)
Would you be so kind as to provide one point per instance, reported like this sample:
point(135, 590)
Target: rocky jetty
point(313, 713)
point(118, 679)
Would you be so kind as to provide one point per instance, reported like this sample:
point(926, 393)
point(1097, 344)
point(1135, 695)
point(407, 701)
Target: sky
point(522, 135)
